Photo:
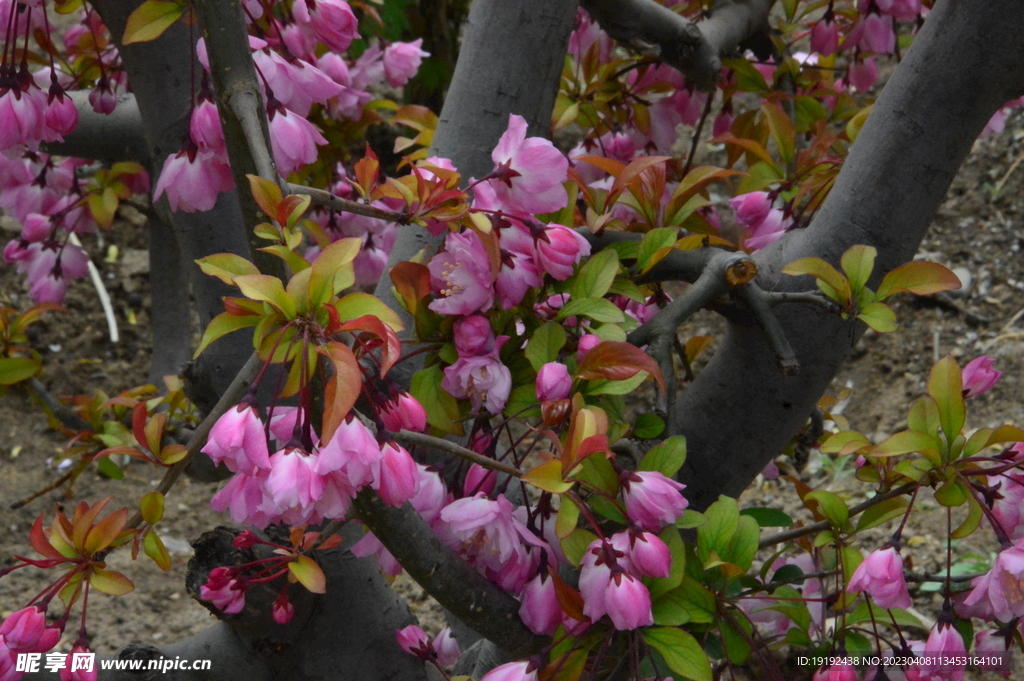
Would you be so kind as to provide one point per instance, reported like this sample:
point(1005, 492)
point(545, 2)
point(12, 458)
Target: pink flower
point(414, 641)
point(485, 381)
point(404, 412)
point(242, 496)
point(192, 180)
point(559, 248)
point(652, 500)
point(528, 172)
point(479, 479)
point(752, 208)
point(863, 74)
point(283, 610)
point(881, 575)
point(21, 117)
point(595, 574)
point(36, 228)
point(238, 441)
point(649, 554)
point(282, 423)
point(979, 376)
point(628, 602)
point(943, 641)
point(474, 336)
point(462, 275)
point(61, 116)
point(905, 10)
point(25, 631)
point(1008, 509)
point(398, 475)
point(332, 20)
point(766, 232)
point(513, 671)
point(519, 270)
point(838, 672)
point(874, 34)
point(223, 590)
point(992, 642)
point(204, 126)
point(825, 37)
point(586, 344)
point(294, 140)
point(999, 593)
point(353, 452)
point(292, 483)
point(446, 647)
point(402, 61)
point(539, 608)
point(84, 670)
point(102, 98)
point(553, 382)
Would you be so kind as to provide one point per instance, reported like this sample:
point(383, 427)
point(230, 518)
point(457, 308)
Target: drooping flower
point(513, 671)
point(943, 643)
point(979, 376)
point(292, 482)
point(628, 602)
point(294, 140)
point(881, 576)
point(402, 61)
point(25, 631)
point(237, 440)
point(333, 21)
point(648, 554)
point(999, 593)
point(414, 641)
point(837, 672)
point(84, 670)
point(474, 336)
point(404, 412)
point(539, 608)
point(283, 610)
point(528, 172)
point(751, 208)
point(192, 179)
point(397, 477)
point(652, 500)
point(446, 647)
point(825, 37)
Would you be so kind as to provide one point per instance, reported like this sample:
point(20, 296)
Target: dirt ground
point(977, 229)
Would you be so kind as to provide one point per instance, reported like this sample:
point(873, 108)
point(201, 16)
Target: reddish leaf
point(266, 193)
point(105, 531)
point(412, 281)
point(920, 278)
point(291, 208)
point(634, 170)
point(617, 361)
point(391, 346)
point(39, 541)
point(568, 598)
point(342, 389)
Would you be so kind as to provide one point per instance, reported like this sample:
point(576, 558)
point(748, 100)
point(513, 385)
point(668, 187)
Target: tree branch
point(758, 303)
point(456, 585)
point(322, 197)
point(118, 136)
point(693, 49)
point(62, 413)
point(411, 439)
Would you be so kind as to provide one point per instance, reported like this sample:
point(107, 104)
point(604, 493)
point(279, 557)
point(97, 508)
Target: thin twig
point(59, 411)
point(101, 291)
point(757, 303)
point(798, 532)
point(812, 297)
point(322, 197)
point(411, 439)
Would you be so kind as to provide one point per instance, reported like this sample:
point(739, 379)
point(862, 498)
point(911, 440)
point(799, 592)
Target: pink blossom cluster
point(298, 486)
point(764, 224)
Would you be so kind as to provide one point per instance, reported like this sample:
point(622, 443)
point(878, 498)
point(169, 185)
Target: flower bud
point(553, 382)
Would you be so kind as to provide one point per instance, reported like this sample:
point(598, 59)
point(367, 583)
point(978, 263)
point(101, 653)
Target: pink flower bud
point(553, 382)
point(652, 500)
point(71, 672)
point(751, 209)
point(414, 641)
point(398, 475)
point(881, 575)
point(586, 344)
point(825, 38)
point(838, 672)
point(238, 440)
point(404, 412)
point(61, 116)
point(628, 602)
point(446, 647)
point(539, 608)
point(863, 74)
point(479, 479)
point(25, 631)
point(559, 248)
point(402, 61)
point(979, 376)
point(283, 610)
point(649, 555)
point(474, 336)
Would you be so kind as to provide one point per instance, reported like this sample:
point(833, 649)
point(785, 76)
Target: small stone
point(966, 282)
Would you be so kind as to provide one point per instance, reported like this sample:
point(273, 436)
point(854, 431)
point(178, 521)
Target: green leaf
point(951, 494)
point(879, 317)
point(743, 546)
point(945, 385)
point(548, 477)
point(332, 270)
point(882, 512)
point(831, 506)
point(904, 442)
point(737, 650)
point(653, 242)
point(223, 324)
point(648, 426)
point(226, 266)
point(596, 276)
point(781, 129)
point(110, 582)
point(768, 517)
point(150, 20)
point(691, 519)
point(545, 344)
point(309, 574)
point(667, 458)
point(598, 309)
point(682, 653)
point(975, 513)
point(918, 277)
point(716, 535)
point(858, 262)
point(155, 549)
point(268, 289)
point(16, 369)
point(606, 387)
point(109, 469)
point(442, 409)
point(575, 545)
point(662, 585)
point(824, 272)
point(152, 507)
point(358, 304)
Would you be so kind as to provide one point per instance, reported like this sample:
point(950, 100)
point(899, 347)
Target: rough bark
point(694, 49)
point(170, 314)
point(965, 63)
